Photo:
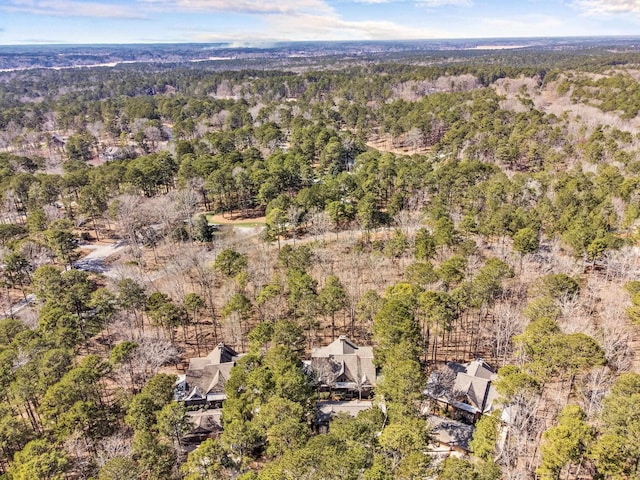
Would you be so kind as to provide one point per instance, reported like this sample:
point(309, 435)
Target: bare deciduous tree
point(507, 322)
point(151, 354)
point(319, 223)
point(117, 445)
point(593, 388)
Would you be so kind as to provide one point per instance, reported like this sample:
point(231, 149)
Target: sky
point(247, 22)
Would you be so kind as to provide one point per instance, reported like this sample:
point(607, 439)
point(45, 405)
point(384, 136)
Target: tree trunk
point(333, 327)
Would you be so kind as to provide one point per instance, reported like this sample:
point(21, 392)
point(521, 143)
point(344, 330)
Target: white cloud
point(278, 20)
point(241, 6)
point(442, 3)
point(44, 41)
point(71, 8)
point(295, 20)
point(424, 3)
point(319, 27)
point(608, 7)
point(143, 8)
point(373, 2)
point(536, 24)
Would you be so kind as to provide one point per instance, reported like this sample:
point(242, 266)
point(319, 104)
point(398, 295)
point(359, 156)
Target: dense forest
point(440, 208)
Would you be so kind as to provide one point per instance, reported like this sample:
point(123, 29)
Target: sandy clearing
point(234, 219)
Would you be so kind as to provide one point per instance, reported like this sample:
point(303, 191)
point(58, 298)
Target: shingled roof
point(205, 421)
point(326, 410)
point(206, 376)
point(342, 364)
point(473, 382)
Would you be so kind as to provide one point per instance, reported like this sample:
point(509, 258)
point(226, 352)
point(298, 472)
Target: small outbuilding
point(327, 410)
point(451, 434)
point(206, 423)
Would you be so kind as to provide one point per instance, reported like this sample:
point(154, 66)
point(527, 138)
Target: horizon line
point(274, 42)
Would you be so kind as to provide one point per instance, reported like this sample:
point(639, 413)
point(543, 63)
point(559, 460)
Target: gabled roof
point(475, 388)
point(474, 381)
point(479, 368)
point(344, 362)
point(195, 394)
point(215, 381)
point(209, 374)
point(211, 378)
point(342, 346)
point(219, 355)
point(205, 421)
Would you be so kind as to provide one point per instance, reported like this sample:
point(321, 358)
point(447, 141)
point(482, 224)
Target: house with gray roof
point(206, 377)
point(344, 366)
point(470, 389)
point(116, 153)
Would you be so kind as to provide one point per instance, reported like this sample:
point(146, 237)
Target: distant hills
point(23, 57)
